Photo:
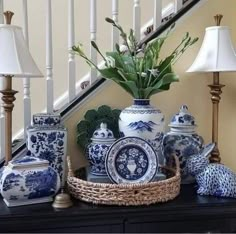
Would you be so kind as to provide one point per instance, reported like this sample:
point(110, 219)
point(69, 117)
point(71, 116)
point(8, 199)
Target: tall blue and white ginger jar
point(47, 139)
point(182, 140)
point(28, 180)
point(101, 141)
point(144, 121)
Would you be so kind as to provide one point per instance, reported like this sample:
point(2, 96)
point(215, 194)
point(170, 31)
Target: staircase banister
point(172, 20)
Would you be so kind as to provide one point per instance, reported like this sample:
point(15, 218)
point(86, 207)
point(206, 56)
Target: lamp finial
point(218, 19)
point(8, 16)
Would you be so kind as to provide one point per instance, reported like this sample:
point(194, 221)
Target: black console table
point(187, 213)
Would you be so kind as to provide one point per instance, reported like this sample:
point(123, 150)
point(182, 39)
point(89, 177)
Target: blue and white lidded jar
point(182, 140)
point(46, 119)
point(101, 141)
point(28, 180)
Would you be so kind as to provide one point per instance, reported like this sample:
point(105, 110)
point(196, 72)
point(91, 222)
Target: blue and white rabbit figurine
point(212, 179)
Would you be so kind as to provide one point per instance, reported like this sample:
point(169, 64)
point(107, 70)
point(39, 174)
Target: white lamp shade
point(216, 53)
point(15, 58)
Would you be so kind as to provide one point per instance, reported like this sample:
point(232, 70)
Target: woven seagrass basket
point(127, 194)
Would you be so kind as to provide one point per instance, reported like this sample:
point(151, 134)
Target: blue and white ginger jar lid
point(28, 161)
point(183, 119)
point(103, 134)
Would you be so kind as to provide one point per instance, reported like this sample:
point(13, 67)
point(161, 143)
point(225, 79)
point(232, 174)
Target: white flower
point(102, 66)
point(143, 74)
point(123, 48)
point(110, 62)
point(154, 72)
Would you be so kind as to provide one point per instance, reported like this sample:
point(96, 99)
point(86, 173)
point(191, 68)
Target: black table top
point(187, 201)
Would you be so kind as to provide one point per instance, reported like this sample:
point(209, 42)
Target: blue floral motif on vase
point(44, 119)
point(96, 156)
point(183, 146)
point(49, 143)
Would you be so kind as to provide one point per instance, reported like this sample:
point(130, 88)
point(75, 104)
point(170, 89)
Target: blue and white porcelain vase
point(47, 139)
point(28, 180)
point(101, 141)
point(182, 140)
point(144, 121)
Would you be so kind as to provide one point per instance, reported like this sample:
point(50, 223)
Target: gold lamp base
point(216, 91)
point(8, 97)
point(62, 200)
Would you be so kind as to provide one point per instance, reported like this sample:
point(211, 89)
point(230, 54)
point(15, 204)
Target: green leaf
point(130, 87)
point(104, 111)
point(122, 61)
point(111, 73)
point(82, 126)
point(83, 140)
point(162, 85)
point(116, 113)
point(91, 115)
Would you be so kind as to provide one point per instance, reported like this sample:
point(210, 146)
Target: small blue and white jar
point(27, 181)
point(102, 139)
point(182, 140)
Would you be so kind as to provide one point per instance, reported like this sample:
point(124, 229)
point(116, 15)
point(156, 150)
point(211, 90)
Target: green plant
point(140, 72)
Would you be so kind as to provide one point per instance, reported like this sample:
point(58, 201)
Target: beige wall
point(191, 90)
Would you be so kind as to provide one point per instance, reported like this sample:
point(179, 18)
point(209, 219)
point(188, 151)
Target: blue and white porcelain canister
point(101, 141)
point(182, 140)
point(28, 180)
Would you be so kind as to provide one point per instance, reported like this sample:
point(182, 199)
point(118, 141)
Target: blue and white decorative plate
point(131, 160)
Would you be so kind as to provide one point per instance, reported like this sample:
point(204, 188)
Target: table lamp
point(15, 61)
point(215, 55)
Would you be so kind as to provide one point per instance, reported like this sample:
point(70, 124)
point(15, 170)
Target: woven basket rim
point(176, 176)
point(129, 194)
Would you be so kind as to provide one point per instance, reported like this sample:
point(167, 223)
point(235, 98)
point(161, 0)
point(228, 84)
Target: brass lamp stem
point(215, 98)
point(8, 16)
point(218, 19)
point(216, 91)
point(8, 99)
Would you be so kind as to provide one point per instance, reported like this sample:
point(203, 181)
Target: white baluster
point(137, 19)
point(1, 12)
point(49, 57)
point(71, 57)
point(157, 14)
point(178, 5)
point(93, 31)
point(115, 32)
point(2, 113)
point(26, 81)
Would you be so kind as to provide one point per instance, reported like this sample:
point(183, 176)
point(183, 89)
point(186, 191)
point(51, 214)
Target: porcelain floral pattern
point(131, 160)
point(49, 145)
